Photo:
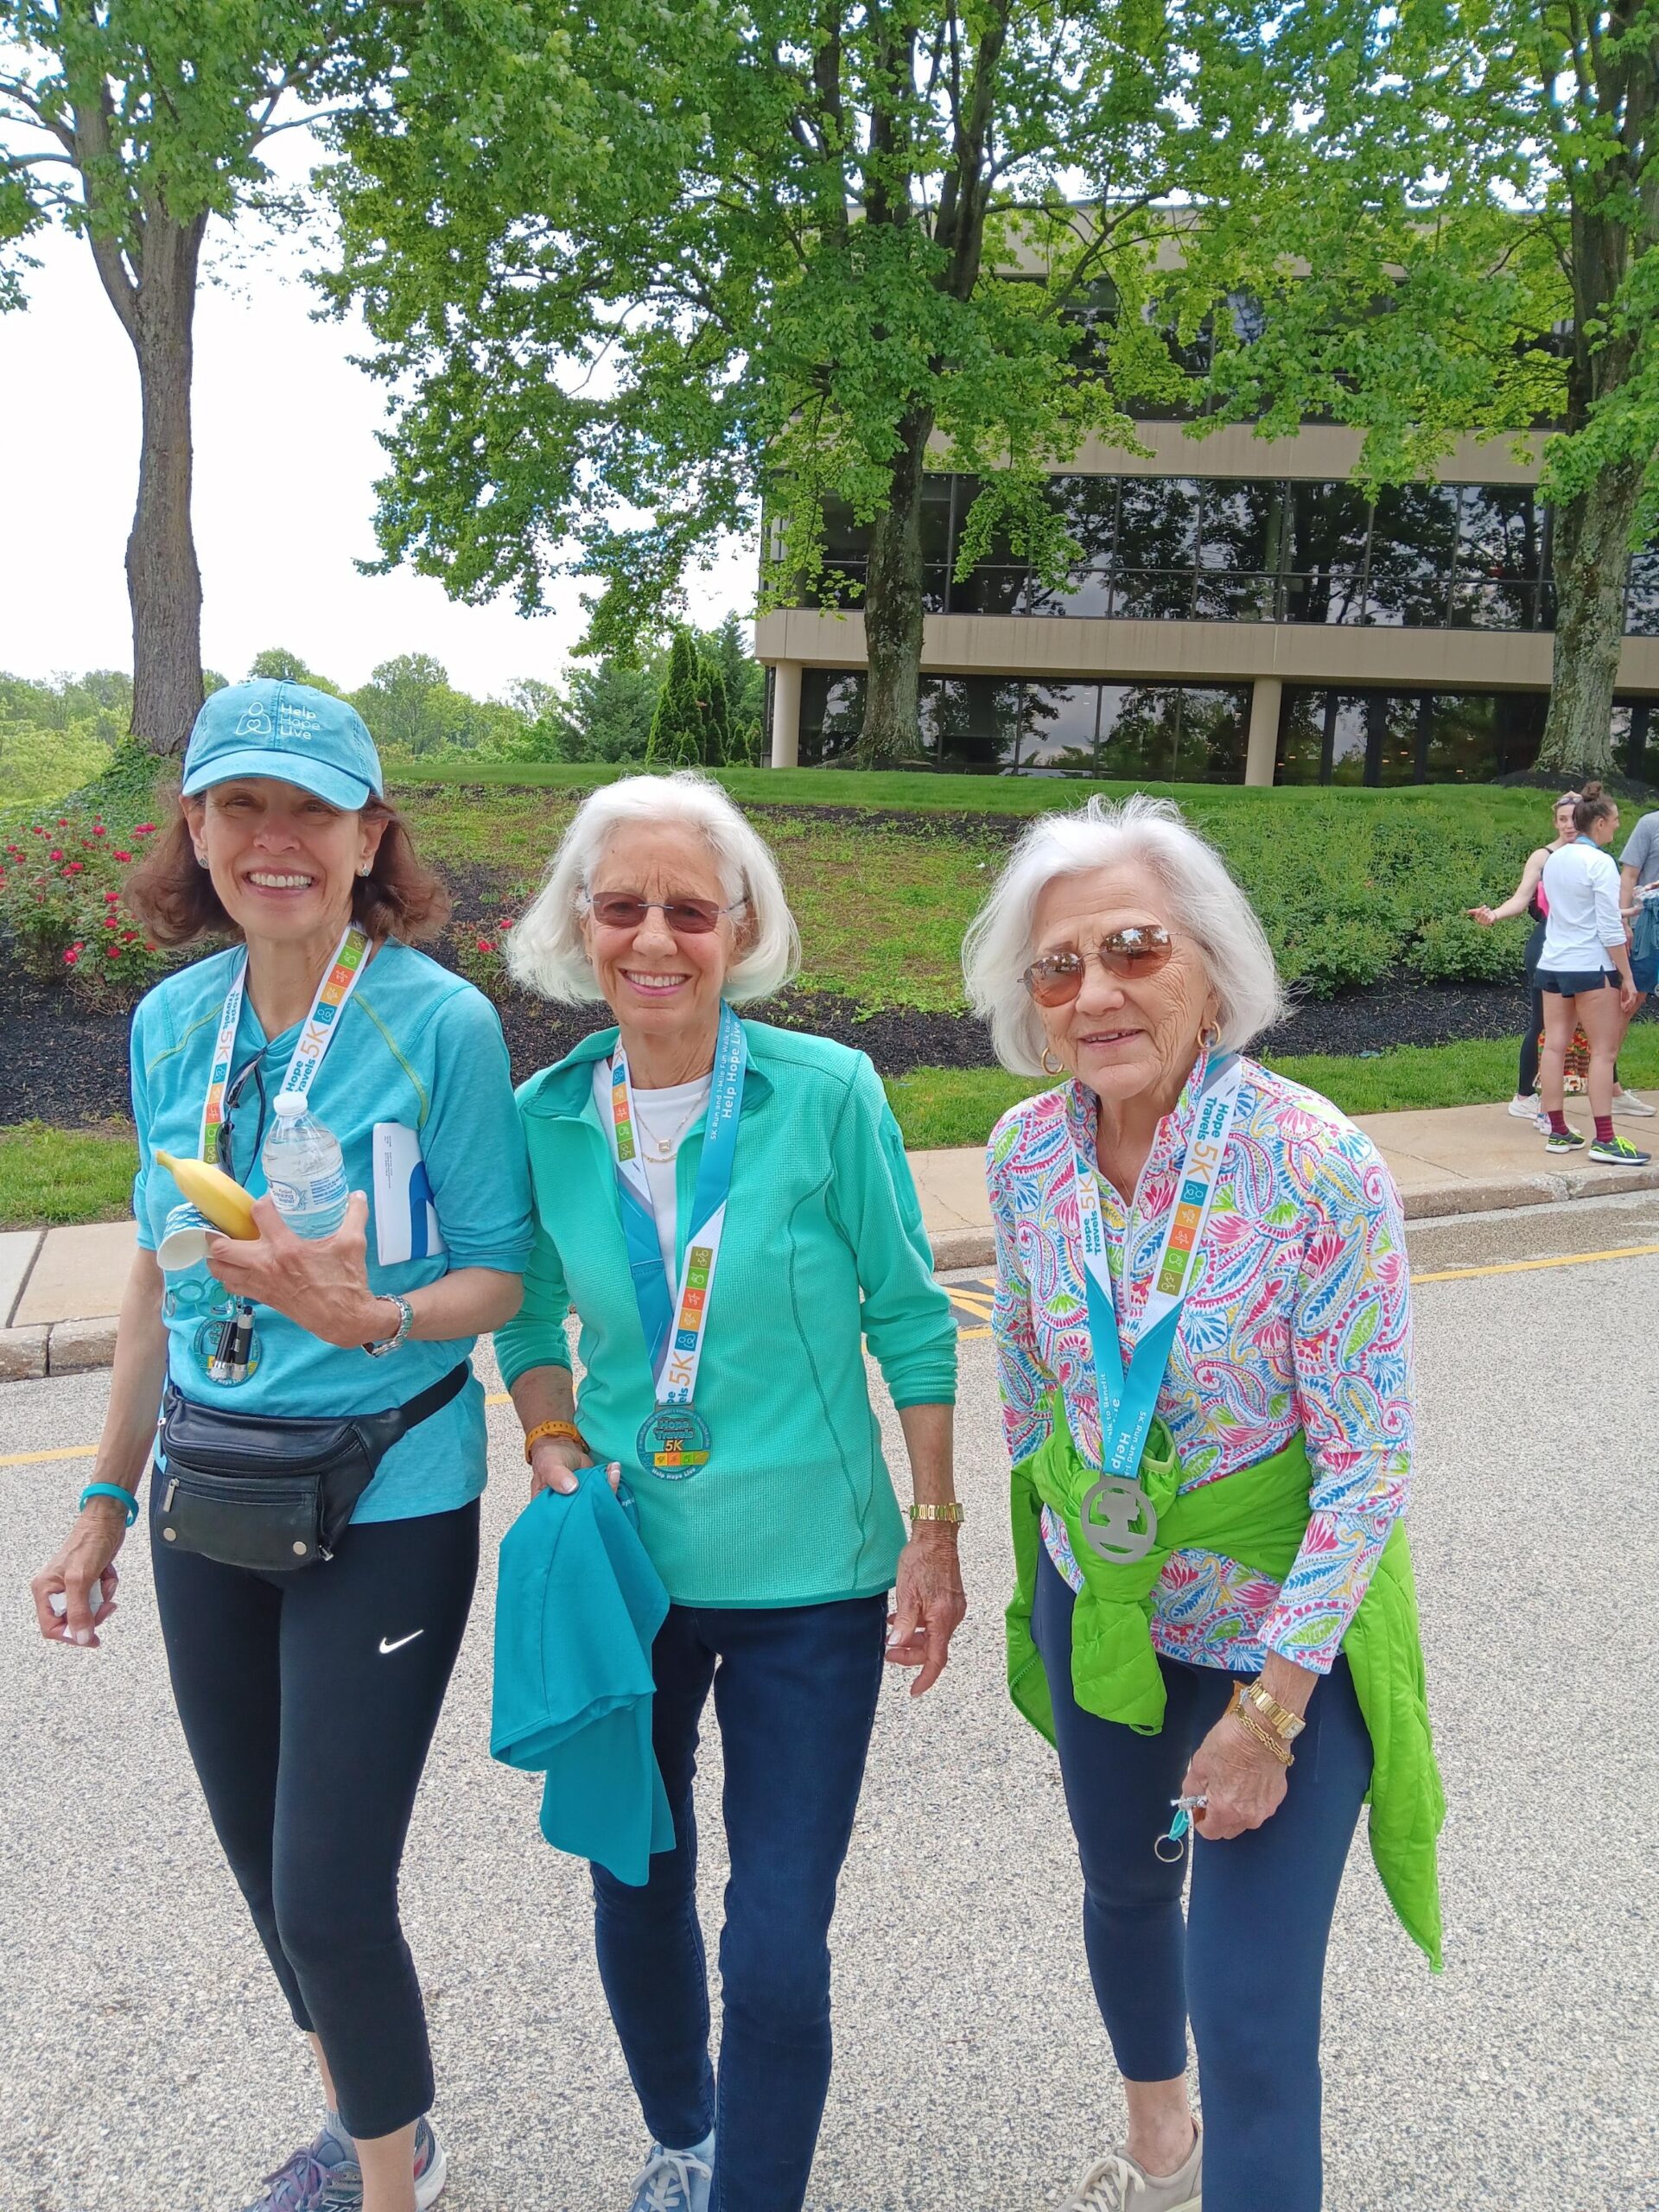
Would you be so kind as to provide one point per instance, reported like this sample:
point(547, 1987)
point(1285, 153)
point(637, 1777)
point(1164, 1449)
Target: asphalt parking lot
point(145, 2061)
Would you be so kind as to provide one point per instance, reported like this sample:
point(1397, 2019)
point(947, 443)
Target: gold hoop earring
point(1059, 1068)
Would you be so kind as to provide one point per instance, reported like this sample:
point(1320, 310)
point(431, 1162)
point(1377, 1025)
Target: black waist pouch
point(260, 1492)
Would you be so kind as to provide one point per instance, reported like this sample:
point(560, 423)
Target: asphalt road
point(145, 2064)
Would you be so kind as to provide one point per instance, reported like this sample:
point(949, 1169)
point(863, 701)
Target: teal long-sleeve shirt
point(824, 1245)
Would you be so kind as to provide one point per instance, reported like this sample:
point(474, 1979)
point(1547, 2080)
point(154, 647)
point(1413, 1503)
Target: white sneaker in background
point(1627, 1102)
point(1116, 2184)
point(1524, 1109)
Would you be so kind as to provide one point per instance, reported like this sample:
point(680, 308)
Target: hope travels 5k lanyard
point(1118, 1519)
point(232, 1362)
point(674, 1442)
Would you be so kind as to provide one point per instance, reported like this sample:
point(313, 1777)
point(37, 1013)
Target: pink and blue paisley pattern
point(1298, 1318)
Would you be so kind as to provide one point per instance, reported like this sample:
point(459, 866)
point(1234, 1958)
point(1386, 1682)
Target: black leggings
point(308, 1701)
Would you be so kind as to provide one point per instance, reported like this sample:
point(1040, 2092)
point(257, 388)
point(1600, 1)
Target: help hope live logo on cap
point(289, 731)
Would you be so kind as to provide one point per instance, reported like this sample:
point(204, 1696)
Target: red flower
point(110, 898)
point(63, 822)
point(123, 856)
point(72, 955)
point(114, 951)
point(112, 921)
point(98, 829)
point(76, 867)
point(127, 936)
point(56, 853)
point(144, 829)
point(151, 948)
point(485, 944)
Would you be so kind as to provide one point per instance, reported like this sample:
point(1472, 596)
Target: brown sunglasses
point(617, 910)
point(1056, 979)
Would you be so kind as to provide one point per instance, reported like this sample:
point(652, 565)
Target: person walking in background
point(1638, 900)
point(308, 1691)
point(727, 1207)
point(1202, 1332)
point(1584, 972)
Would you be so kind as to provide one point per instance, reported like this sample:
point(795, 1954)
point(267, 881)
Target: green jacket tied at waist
point(1257, 1516)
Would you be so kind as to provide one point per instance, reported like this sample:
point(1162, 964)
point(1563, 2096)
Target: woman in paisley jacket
point(1203, 1330)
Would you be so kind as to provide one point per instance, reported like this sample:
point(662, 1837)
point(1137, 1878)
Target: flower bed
point(62, 906)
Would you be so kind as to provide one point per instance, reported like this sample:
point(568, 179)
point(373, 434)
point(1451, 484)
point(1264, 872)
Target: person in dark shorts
point(1584, 972)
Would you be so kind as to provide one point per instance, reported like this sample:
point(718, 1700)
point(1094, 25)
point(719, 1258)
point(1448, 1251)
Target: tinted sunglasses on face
point(619, 910)
point(1056, 978)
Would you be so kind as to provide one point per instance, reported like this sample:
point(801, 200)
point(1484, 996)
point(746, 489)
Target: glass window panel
point(1138, 726)
point(1088, 505)
point(1344, 730)
point(1337, 597)
point(1057, 729)
point(1463, 740)
point(1089, 592)
point(1413, 537)
point(1480, 604)
point(1392, 720)
point(842, 585)
point(1234, 599)
point(843, 538)
point(1518, 725)
point(1153, 596)
point(936, 520)
point(1157, 522)
point(1301, 728)
point(1241, 525)
point(1500, 532)
point(1326, 525)
point(971, 723)
point(1634, 723)
point(935, 590)
point(1210, 739)
point(1641, 600)
point(989, 591)
point(832, 713)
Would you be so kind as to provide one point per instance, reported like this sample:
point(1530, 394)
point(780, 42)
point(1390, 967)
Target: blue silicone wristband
point(113, 1490)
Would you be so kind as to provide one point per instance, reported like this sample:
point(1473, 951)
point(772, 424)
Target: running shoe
point(1627, 1102)
point(1524, 1109)
point(674, 2181)
point(297, 2185)
point(1619, 1151)
point(343, 2190)
point(1565, 1141)
point(1116, 2184)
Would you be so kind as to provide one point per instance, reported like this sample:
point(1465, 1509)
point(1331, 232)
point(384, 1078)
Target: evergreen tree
point(716, 712)
point(677, 726)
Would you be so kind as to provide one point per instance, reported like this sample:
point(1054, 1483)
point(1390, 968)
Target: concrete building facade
point(1241, 613)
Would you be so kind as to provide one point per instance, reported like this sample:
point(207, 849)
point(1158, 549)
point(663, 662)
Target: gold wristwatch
point(951, 1513)
point(1285, 1724)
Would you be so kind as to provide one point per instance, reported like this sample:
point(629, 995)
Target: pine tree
point(716, 714)
point(678, 728)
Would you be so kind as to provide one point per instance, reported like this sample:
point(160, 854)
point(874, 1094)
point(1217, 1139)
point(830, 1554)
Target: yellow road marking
point(979, 1302)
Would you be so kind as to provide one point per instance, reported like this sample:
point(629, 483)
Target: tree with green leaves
point(133, 123)
point(687, 262)
point(1454, 227)
point(288, 668)
point(681, 728)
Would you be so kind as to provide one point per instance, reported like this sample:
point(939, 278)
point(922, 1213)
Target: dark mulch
point(66, 1062)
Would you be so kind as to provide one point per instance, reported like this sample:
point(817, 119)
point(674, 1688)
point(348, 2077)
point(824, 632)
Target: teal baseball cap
point(291, 731)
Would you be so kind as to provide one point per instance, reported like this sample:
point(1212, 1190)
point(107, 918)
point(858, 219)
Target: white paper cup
point(184, 1237)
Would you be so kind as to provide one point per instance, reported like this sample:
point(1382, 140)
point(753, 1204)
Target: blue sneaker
point(343, 2188)
point(675, 2181)
point(297, 2185)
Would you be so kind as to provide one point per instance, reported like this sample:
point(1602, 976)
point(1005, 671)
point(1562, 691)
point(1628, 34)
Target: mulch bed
point(66, 1061)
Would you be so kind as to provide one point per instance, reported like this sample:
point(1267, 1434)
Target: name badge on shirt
point(405, 1219)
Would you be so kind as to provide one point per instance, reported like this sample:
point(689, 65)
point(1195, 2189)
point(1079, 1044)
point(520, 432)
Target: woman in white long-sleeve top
point(1584, 974)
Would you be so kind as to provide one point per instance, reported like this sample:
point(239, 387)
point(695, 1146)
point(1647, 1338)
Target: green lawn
point(49, 1178)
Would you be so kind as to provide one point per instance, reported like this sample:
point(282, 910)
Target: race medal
point(1119, 1521)
point(674, 1443)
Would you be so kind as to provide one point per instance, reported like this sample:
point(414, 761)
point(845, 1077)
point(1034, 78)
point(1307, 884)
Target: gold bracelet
point(554, 1429)
point(952, 1514)
point(1285, 1724)
point(1240, 1711)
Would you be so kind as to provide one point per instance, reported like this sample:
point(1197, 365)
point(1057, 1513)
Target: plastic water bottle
point(305, 1173)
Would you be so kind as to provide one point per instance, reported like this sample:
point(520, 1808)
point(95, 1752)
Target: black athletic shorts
point(1567, 982)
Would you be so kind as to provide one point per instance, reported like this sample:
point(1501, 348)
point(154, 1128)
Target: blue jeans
point(795, 1695)
point(1248, 1961)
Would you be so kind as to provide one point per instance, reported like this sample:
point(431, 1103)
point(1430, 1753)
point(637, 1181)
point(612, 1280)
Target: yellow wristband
point(554, 1429)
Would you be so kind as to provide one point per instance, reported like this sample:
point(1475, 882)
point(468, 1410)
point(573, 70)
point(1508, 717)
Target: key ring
point(1171, 1847)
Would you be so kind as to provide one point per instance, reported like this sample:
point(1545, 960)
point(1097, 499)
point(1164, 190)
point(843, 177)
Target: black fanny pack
point(273, 1494)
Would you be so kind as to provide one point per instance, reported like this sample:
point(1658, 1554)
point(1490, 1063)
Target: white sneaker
point(1524, 1109)
point(674, 2181)
point(1116, 2184)
point(1627, 1102)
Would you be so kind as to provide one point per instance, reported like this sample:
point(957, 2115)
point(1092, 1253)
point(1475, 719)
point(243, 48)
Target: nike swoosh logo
point(402, 1641)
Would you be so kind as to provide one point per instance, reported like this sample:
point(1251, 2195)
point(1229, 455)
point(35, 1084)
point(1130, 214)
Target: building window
point(1382, 738)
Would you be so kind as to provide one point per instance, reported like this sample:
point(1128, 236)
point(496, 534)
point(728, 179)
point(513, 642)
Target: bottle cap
point(289, 1105)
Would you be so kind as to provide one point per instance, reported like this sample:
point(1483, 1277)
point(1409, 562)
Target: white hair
point(545, 952)
point(1205, 904)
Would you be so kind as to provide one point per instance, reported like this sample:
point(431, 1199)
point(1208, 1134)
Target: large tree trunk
point(1591, 561)
point(163, 582)
point(893, 612)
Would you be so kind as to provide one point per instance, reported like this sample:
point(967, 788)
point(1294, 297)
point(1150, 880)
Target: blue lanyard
point(675, 1342)
point(1128, 1402)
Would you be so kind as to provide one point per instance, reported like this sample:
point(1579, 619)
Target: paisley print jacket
point(1298, 1318)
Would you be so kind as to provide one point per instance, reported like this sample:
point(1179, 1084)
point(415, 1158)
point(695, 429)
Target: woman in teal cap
point(308, 1693)
point(1202, 1322)
point(726, 1207)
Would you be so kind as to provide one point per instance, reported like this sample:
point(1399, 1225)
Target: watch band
point(952, 1514)
point(405, 1323)
point(1285, 1724)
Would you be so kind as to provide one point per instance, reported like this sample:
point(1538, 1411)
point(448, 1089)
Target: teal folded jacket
point(577, 1607)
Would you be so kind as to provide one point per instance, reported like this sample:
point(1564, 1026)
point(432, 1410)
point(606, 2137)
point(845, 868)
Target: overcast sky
point(286, 458)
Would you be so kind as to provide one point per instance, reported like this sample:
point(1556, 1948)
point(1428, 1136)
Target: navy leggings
point(1248, 1962)
point(795, 1693)
point(308, 1701)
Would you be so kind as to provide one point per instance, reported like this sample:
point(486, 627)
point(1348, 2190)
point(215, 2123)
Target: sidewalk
point(60, 1288)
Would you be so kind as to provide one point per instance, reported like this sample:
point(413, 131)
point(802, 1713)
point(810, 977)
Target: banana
point(212, 1191)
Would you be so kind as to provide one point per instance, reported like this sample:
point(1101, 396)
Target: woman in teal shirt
point(308, 1697)
point(726, 1207)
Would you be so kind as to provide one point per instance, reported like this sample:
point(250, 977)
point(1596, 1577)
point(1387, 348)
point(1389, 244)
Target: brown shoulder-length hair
point(173, 895)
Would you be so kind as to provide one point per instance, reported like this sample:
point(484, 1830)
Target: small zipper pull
point(172, 1492)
